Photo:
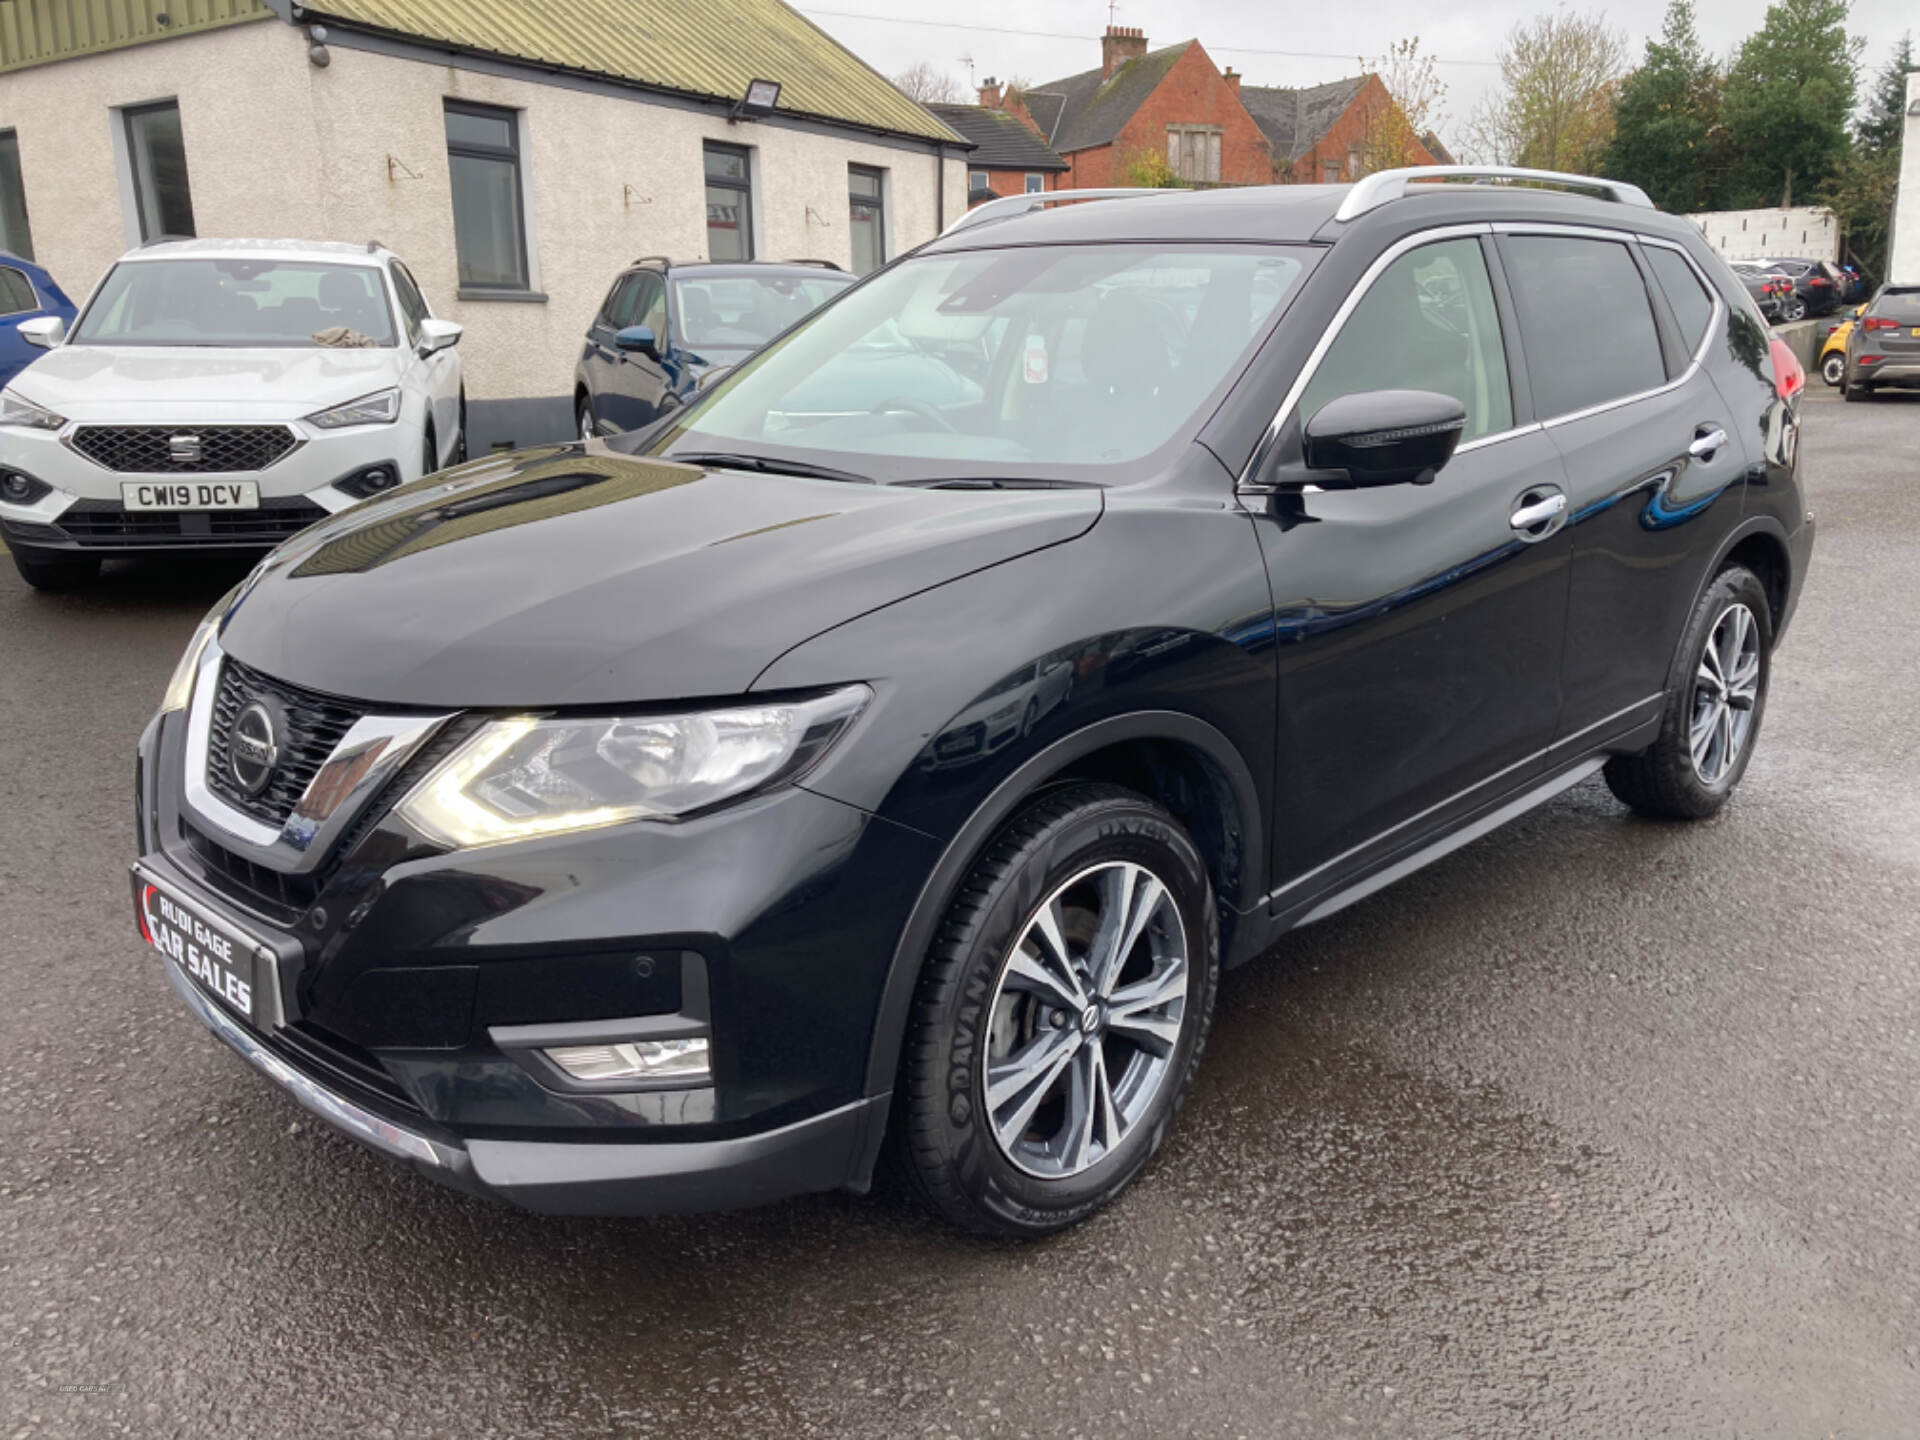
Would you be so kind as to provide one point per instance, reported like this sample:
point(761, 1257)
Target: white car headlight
point(380, 408)
point(16, 409)
point(528, 776)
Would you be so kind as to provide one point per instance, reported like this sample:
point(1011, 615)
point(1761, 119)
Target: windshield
point(743, 312)
point(238, 303)
point(1015, 363)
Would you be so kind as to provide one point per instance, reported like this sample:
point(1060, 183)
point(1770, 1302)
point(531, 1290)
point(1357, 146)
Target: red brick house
point(1172, 103)
point(1008, 155)
point(1318, 135)
point(1176, 105)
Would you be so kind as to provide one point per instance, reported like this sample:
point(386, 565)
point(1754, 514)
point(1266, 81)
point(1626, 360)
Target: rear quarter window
point(1692, 306)
point(1586, 320)
point(16, 292)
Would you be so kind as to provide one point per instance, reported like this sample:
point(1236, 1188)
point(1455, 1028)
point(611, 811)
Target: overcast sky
point(998, 34)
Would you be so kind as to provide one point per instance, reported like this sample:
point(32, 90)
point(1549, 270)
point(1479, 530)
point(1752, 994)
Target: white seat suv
point(222, 394)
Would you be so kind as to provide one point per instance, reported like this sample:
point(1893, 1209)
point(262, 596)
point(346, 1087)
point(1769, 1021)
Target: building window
point(729, 203)
point(157, 163)
point(489, 223)
point(867, 230)
point(1193, 151)
point(1329, 172)
point(15, 236)
point(1035, 183)
point(977, 181)
point(1353, 162)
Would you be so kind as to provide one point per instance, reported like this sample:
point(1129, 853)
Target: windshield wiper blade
point(770, 465)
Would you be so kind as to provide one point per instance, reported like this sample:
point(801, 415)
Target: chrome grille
point(150, 449)
point(315, 725)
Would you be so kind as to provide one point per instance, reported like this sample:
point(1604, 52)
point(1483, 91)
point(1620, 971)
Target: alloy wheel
point(1085, 1018)
point(1832, 368)
point(1725, 689)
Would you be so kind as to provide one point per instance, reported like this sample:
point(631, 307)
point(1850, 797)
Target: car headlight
point(16, 409)
point(529, 776)
point(380, 408)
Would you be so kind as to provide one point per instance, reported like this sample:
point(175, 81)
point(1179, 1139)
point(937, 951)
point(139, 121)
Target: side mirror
point(1385, 437)
point(46, 331)
point(638, 337)
point(438, 335)
point(1858, 311)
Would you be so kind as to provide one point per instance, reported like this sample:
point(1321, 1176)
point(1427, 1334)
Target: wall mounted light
point(758, 102)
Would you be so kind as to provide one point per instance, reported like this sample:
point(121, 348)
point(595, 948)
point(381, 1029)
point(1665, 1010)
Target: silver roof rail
point(1372, 191)
point(1011, 205)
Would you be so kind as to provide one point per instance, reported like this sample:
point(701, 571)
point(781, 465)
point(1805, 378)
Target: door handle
point(1708, 441)
point(1542, 511)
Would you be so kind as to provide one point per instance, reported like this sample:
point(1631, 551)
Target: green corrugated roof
point(38, 32)
point(697, 47)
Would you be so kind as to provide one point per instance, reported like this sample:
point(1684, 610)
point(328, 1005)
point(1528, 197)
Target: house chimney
point(1232, 77)
point(1120, 44)
point(990, 94)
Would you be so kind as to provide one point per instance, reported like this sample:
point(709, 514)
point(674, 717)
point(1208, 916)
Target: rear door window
point(1427, 323)
point(1692, 306)
point(1586, 321)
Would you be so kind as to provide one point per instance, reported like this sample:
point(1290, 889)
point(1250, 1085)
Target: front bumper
point(413, 989)
point(82, 509)
point(824, 1152)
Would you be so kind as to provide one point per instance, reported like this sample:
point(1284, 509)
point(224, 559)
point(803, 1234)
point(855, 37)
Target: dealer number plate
point(214, 956)
point(190, 494)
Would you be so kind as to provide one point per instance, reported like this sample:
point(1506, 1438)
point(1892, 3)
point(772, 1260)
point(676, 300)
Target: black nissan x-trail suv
point(888, 751)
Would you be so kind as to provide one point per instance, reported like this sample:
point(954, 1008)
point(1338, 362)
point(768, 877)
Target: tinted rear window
point(1688, 299)
point(1901, 305)
point(1586, 321)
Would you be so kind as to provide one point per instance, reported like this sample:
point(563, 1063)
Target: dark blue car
point(26, 293)
point(664, 327)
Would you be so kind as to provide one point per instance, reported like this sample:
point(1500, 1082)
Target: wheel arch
point(1761, 546)
point(1177, 760)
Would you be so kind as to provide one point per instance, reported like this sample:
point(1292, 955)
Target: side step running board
point(1451, 842)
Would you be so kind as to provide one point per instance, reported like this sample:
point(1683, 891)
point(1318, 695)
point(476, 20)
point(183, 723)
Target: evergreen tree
point(1666, 121)
point(1789, 97)
point(1880, 129)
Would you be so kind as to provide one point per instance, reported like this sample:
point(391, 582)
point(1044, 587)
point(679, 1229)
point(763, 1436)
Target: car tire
point(1851, 389)
point(429, 454)
point(1059, 868)
point(1792, 310)
point(1716, 697)
point(583, 419)
point(54, 569)
point(1833, 368)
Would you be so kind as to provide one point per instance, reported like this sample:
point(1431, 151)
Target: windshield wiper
point(769, 465)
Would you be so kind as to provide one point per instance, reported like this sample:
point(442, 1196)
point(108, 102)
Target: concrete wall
point(357, 151)
point(1807, 232)
point(1903, 264)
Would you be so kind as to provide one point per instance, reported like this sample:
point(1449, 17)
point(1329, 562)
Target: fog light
point(371, 481)
point(18, 489)
point(684, 1059)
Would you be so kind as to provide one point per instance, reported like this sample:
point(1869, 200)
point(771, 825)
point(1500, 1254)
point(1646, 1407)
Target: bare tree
point(925, 85)
point(1554, 107)
point(1417, 97)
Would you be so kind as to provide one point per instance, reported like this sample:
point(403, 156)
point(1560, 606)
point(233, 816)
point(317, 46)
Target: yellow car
point(1833, 350)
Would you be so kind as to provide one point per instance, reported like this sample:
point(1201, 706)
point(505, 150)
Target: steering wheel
point(907, 404)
